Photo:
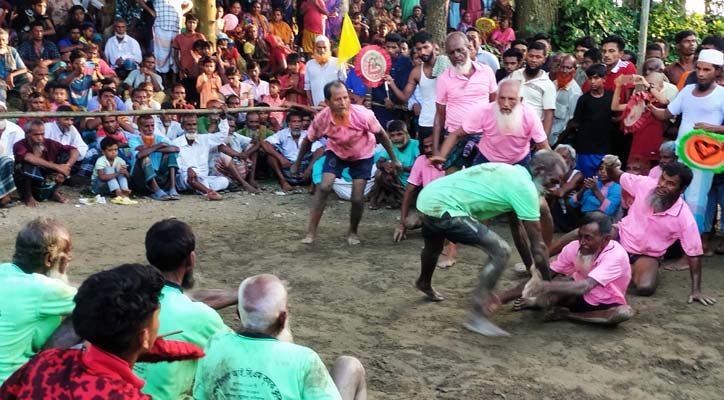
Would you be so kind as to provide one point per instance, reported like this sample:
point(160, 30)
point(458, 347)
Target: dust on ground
point(361, 301)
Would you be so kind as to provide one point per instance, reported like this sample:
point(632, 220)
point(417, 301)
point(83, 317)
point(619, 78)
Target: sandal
point(173, 195)
point(160, 195)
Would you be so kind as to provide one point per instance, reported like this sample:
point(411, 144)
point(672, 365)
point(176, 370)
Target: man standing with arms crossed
point(352, 132)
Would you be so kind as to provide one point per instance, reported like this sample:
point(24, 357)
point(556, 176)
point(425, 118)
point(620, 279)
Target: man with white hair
point(260, 361)
point(701, 106)
point(36, 295)
point(507, 126)
point(321, 69)
point(461, 90)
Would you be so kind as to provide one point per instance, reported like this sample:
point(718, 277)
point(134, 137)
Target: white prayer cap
point(322, 38)
point(711, 56)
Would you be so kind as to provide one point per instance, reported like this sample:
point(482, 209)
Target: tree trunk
point(533, 16)
point(205, 11)
point(437, 11)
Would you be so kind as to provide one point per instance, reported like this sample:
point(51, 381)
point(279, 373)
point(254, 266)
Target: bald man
point(262, 362)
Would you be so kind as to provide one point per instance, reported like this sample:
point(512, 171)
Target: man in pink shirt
point(507, 128)
point(657, 218)
point(352, 132)
point(601, 273)
point(461, 90)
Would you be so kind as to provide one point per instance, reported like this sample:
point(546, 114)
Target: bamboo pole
point(90, 114)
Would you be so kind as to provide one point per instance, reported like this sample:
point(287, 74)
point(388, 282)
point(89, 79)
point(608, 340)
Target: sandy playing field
point(360, 301)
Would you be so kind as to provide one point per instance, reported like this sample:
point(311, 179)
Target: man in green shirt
point(170, 247)
point(261, 362)
point(453, 207)
point(35, 293)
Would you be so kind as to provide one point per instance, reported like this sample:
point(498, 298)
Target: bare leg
point(644, 275)
point(276, 166)
point(348, 375)
point(230, 170)
point(56, 195)
point(546, 222)
point(210, 194)
point(171, 179)
point(484, 301)
point(252, 170)
point(448, 256)
point(612, 316)
point(26, 192)
point(356, 209)
point(320, 201)
point(428, 261)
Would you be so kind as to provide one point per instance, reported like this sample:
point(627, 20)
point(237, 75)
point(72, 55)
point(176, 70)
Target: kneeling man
point(600, 269)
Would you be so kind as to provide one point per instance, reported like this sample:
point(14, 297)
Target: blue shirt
point(400, 72)
point(589, 202)
point(355, 84)
point(80, 89)
point(135, 140)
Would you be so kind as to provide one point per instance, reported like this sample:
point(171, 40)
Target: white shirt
point(260, 90)
point(154, 105)
point(322, 75)
point(539, 92)
point(196, 155)
point(173, 131)
point(72, 137)
point(566, 100)
point(693, 109)
point(290, 148)
point(487, 58)
point(136, 78)
point(127, 49)
point(11, 135)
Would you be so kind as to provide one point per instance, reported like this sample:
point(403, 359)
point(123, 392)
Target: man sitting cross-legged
point(282, 149)
point(193, 159)
point(260, 361)
point(154, 162)
point(600, 270)
point(41, 165)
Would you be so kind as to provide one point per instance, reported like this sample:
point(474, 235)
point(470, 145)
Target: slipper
point(124, 201)
point(10, 204)
point(173, 195)
point(160, 195)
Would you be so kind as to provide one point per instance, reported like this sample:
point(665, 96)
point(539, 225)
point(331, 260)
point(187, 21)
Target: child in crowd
point(601, 192)
point(274, 99)
point(208, 83)
point(110, 174)
point(389, 187)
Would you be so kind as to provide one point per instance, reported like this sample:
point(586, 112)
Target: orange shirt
point(282, 30)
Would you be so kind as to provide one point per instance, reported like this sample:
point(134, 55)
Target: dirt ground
point(360, 301)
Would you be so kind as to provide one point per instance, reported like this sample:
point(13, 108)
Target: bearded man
point(153, 162)
point(352, 132)
point(600, 271)
point(538, 90)
point(171, 248)
point(460, 90)
point(567, 94)
point(36, 295)
point(41, 165)
point(453, 207)
point(320, 70)
point(701, 106)
point(507, 126)
point(657, 218)
point(193, 159)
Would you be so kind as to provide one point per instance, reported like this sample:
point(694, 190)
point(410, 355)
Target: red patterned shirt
point(79, 374)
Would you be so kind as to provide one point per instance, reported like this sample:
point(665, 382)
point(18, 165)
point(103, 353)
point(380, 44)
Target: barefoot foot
point(445, 261)
point(309, 239)
point(353, 239)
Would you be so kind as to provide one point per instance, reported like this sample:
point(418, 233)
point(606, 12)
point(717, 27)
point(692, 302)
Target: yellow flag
point(348, 42)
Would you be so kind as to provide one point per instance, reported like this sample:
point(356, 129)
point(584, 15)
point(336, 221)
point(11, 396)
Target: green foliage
point(600, 18)
point(596, 18)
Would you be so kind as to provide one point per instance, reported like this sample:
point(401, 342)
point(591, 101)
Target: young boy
point(110, 174)
point(390, 187)
point(292, 82)
point(592, 119)
point(208, 83)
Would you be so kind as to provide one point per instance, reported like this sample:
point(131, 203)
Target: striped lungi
point(162, 40)
point(7, 183)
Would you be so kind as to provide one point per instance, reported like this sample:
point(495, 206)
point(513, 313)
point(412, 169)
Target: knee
point(357, 200)
point(646, 290)
point(324, 189)
point(501, 252)
point(349, 366)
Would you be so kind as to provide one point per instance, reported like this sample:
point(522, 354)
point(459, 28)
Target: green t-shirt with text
point(238, 366)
